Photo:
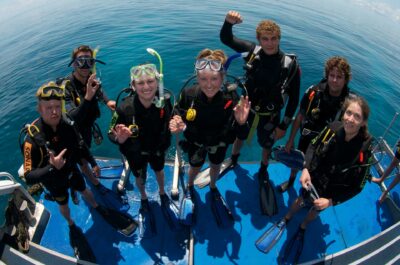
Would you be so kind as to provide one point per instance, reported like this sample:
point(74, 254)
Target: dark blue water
point(38, 36)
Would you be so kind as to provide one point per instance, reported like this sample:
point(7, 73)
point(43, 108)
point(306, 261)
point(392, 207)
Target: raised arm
point(227, 37)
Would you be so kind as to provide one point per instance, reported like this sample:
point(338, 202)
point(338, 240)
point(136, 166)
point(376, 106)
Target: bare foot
point(376, 180)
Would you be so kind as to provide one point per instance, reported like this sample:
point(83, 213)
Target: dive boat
point(359, 231)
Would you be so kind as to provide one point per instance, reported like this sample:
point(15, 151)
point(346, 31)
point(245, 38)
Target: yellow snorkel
point(95, 51)
point(161, 101)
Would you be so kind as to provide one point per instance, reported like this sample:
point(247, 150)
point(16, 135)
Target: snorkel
point(160, 101)
point(95, 51)
point(233, 57)
point(238, 81)
point(94, 71)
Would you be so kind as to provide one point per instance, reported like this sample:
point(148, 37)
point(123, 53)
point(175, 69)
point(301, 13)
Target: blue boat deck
point(337, 227)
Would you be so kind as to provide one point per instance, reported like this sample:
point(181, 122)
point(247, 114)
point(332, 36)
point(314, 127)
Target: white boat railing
point(8, 185)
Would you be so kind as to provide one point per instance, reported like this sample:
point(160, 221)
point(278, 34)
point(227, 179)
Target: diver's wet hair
point(82, 48)
point(268, 26)
point(342, 65)
point(209, 54)
point(365, 110)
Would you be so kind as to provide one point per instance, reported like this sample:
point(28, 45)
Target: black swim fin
point(295, 159)
point(294, 248)
point(271, 236)
point(79, 244)
point(222, 213)
point(170, 211)
point(268, 203)
point(111, 199)
point(147, 222)
point(122, 222)
point(186, 211)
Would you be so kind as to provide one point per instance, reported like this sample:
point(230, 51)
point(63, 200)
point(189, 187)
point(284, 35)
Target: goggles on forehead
point(213, 65)
point(50, 91)
point(84, 62)
point(146, 69)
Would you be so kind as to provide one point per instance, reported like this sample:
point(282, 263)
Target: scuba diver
point(272, 78)
point(209, 116)
point(140, 128)
point(337, 168)
point(52, 148)
point(321, 104)
point(84, 62)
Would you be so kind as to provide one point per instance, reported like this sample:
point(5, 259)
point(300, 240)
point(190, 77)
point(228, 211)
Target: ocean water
point(38, 36)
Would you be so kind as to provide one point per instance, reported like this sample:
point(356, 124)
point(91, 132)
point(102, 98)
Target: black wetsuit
point(319, 109)
point(326, 167)
point(74, 97)
point(214, 126)
point(36, 159)
point(154, 136)
point(264, 82)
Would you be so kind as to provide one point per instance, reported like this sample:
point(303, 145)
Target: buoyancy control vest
point(318, 150)
point(195, 134)
point(129, 110)
point(74, 98)
point(37, 136)
point(322, 108)
point(274, 98)
point(32, 130)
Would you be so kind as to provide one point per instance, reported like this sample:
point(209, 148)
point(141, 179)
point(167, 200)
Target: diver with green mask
point(140, 128)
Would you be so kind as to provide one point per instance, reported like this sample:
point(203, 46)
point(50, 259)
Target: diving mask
point(50, 91)
point(84, 62)
point(146, 69)
point(213, 65)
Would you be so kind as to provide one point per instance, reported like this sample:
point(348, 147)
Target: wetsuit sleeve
point(233, 42)
point(293, 93)
point(77, 113)
point(69, 99)
point(32, 158)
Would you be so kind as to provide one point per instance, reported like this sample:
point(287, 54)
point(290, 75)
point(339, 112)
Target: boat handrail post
point(11, 185)
point(381, 138)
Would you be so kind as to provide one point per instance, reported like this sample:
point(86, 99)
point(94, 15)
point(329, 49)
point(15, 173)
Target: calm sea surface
point(38, 36)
